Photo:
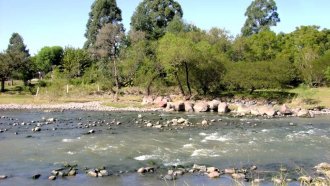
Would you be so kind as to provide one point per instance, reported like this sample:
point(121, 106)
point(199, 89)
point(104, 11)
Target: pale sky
point(63, 22)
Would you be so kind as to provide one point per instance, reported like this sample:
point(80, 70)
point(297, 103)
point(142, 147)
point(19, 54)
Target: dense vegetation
point(161, 54)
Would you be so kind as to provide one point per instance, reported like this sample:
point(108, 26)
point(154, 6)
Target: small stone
point(52, 177)
point(257, 180)
point(181, 120)
point(54, 172)
point(179, 172)
point(140, 116)
point(141, 170)
point(305, 179)
point(149, 125)
point(104, 173)
point(238, 176)
point(204, 122)
point(230, 171)
point(254, 167)
point(91, 132)
point(158, 126)
point(214, 174)
point(201, 168)
point(35, 177)
point(92, 173)
point(51, 119)
point(72, 172)
point(283, 169)
point(212, 169)
point(2, 177)
point(150, 169)
point(277, 181)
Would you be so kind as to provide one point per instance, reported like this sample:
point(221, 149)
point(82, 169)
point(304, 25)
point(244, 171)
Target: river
point(229, 142)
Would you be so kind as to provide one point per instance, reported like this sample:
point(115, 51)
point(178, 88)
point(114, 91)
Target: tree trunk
point(187, 78)
point(2, 85)
point(116, 80)
point(149, 85)
point(179, 82)
point(252, 90)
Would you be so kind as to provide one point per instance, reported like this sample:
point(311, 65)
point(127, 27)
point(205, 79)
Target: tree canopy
point(102, 13)
point(153, 16)
point(261, 15)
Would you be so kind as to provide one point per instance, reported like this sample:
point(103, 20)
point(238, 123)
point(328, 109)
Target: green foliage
point(153, 16)
point(258, 75)
point(102, 12)
point(48, 57)
point(75, 61)
point(261, 14)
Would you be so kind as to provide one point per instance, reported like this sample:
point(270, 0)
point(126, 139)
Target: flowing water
point(228, 142)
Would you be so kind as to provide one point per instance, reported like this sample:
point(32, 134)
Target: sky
point(63, 22)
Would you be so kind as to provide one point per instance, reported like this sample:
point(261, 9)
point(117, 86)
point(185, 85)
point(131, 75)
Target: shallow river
point(229, 142)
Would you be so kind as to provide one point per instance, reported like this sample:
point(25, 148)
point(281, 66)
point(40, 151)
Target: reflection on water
point(229, 142)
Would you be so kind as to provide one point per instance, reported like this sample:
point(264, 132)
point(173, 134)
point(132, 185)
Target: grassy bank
point(61, 93)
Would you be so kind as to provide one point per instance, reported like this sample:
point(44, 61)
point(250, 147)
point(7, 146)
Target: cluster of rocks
point(67, 170)
point(238, 108)
point(102, 172)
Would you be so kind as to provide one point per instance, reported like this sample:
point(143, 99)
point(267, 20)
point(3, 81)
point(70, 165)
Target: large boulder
point(201, 106)
point(267, 110)
point(243, 110)
point(213, 105)
point(147, 100)
point(179, 106)
point(285, 110)
point(223, 107)
point(188, 106)
point(304, 113)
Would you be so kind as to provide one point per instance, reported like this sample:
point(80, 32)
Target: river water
point(228, 143)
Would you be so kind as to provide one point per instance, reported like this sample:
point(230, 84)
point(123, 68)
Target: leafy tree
point(102, 12)
point(20, 58)
point(176, 53)
point(153, 16)
point(261, 15)
point(75, 61)
point(48, 57)
point(107, 47)
point(5, 69)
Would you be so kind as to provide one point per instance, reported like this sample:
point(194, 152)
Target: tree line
point(161, 51)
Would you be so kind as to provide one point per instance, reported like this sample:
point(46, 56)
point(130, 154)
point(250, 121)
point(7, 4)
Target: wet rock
point(54, 172)
point(52, 177)
point(72, 172)
point(158, 126)
point(91, 131)
point(230, 171)
point(238, 176)
point(141, 170)
point(179, 172)
point(204, 122)
point(201, 168)
point(214, 174)
point(140, 116)
point(223, 108)
point(305, 179)
point(104, 173)
point(323, 168)
point(201, 106)
point(212, 169)
point(2, 177)
point(149, 169)
point(181, 121)
point(149, 124)
point(36, 129)
point(277, 181)
point(170, 172)
point(92, 173)
point(253, 168)
point(36, 176)
point(51, 120)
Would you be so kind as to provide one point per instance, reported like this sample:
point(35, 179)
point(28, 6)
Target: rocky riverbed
point(155, 148)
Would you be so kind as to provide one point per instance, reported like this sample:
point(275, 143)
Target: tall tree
point(107, 46)
point(261, 15)
point(20, 57)
point(75, 61)
point(153, 16)
point(102, 13)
